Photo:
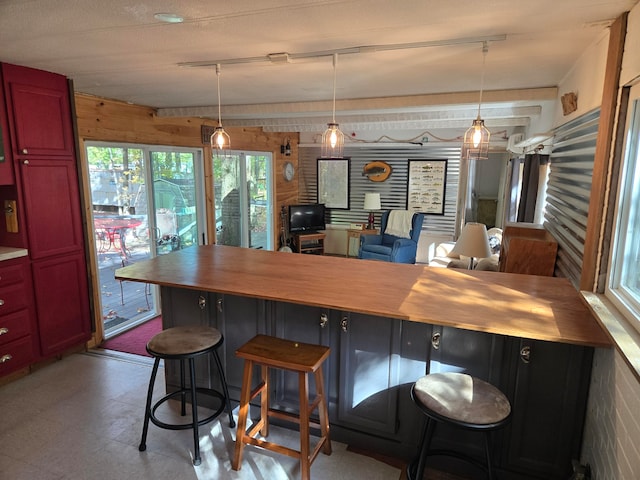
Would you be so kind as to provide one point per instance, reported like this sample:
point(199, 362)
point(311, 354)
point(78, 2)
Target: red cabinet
point(6, 165)
point(40, 129)
point(39, 112)
point(62, 302)
point(52, 207)
point(17, 340)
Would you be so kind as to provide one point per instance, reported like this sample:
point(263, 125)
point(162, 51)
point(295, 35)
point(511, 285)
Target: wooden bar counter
point(527, 306)
point(388, 324)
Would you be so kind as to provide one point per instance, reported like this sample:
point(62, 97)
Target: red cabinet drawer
point(11, 274)
point(15, 355)
point(14, 326)
point(12, 298)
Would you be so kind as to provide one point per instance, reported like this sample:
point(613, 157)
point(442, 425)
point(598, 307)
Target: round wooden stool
point(303, 358)
point(463, 401)
point(186, 343)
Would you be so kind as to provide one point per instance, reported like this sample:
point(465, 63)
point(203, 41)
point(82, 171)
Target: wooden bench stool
point(186, 343)
point(463, 401)
point(271, 352)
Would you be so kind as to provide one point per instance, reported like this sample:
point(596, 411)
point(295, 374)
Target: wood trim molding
point(603, 158)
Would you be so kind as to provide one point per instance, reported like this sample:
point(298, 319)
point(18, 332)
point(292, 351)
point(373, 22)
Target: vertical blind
point(568, 191)
point(393, 191)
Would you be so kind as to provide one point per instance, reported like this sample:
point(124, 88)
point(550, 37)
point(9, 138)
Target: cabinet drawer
point(13, 298)
point(14, 326)
point(11, 274)
point(15, 355)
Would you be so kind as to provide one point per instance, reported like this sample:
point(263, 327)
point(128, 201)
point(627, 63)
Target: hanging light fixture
point(220, 140)
point(333, 138)
point(476, 138)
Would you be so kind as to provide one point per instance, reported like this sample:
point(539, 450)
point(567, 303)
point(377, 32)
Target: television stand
point(312, 242)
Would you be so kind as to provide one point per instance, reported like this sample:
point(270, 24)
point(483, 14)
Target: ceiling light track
point(285, 57)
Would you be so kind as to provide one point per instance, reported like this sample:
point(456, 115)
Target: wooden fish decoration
point(377, 171)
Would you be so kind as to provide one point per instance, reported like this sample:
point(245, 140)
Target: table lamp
point(371, 203)
point(473, 242)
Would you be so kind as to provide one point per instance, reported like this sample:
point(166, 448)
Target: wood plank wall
point(99, 119)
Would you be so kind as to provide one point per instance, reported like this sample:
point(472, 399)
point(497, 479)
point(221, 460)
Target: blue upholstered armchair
point(391, 248)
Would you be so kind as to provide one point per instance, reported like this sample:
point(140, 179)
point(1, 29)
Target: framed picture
point(333, 182)
point(426, 186)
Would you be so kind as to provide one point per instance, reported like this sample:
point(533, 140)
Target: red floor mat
point(135, 340)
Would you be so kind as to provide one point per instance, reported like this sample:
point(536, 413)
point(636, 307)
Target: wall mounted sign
point(377, 171)
point(426, 186)
point(333, 182)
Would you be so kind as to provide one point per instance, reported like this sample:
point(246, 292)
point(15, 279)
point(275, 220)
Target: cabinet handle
point(4, 330)
point(525, 354)
point(435, 341)
point(1, 302)
point(344, 324)
point(5, 358)
point(202, 302)
point(324, 318)
point(219, 305)
point(26, 162)
point(25, 151)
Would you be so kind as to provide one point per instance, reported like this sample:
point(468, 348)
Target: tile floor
point(81, 418)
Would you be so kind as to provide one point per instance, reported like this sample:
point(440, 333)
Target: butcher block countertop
point(526, 306)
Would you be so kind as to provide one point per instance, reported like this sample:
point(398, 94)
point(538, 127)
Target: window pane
point(624, 282)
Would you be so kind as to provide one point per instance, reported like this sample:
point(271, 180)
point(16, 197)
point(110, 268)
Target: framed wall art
point(426, 186)
point(333, 182)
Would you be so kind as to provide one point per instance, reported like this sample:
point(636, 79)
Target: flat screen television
point(306, 218)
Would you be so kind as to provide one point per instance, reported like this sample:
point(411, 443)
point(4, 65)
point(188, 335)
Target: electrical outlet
point(11, 216)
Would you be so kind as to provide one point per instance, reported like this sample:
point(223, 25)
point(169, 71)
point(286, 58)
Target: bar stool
point(271, 352)
point(463, 401)
point(186, 343)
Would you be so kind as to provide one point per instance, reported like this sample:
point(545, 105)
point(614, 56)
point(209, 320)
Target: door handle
point(525, 354)
point(435, 341)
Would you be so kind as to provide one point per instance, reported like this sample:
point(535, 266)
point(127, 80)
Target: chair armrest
point(370, 240)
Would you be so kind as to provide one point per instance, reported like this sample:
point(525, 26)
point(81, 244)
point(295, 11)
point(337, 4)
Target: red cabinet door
point(51, 199)
point(39, 112)
point(62, 302)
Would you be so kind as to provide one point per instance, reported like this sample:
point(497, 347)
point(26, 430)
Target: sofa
point(444, 258)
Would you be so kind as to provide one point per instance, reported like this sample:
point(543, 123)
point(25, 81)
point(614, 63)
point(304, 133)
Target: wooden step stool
point(303, 358)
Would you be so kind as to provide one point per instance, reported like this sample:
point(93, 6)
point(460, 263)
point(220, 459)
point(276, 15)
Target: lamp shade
point(473, 241)
point(372, 201)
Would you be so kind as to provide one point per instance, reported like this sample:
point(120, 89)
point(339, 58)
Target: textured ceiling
point(117, 49)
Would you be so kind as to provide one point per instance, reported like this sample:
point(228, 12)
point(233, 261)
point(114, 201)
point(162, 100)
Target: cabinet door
point(182, 307)
point(6, 164)
point(307, 324)
point(369, 372)
point(475, 353)
point(548, 388)
point(239, 319)
point(40, 112)
point(52, 205)
point(62, 302)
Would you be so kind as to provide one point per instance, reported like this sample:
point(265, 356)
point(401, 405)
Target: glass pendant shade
point(220, 140)
point(332, 142)
point(476, 141)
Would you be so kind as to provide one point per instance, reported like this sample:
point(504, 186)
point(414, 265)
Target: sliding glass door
point(147, 201)
point(242, 195)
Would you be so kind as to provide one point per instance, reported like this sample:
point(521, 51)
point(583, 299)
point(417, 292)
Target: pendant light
point(220, 141)
point(333, 138)
point(476, 138)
